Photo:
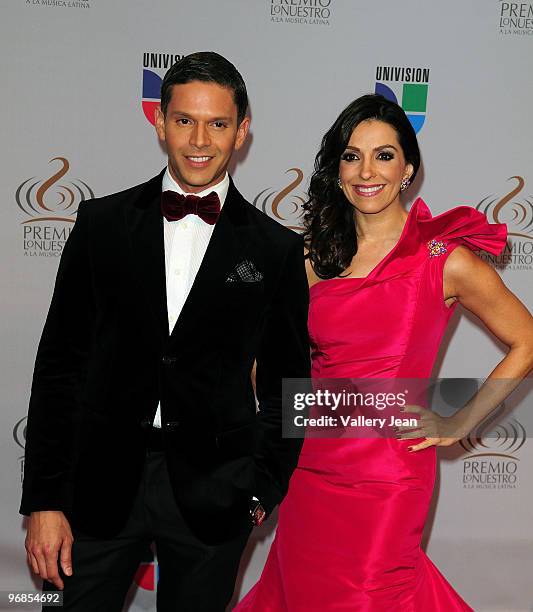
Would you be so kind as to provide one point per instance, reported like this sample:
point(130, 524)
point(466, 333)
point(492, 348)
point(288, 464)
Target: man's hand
point(49, 534)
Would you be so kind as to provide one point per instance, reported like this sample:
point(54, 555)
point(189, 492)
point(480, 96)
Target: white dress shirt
point(186, 242)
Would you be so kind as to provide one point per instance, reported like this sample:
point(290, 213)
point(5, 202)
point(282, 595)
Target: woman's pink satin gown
point(349, 530)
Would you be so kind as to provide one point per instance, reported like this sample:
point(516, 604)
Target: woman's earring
point(405, 184)
point(339, 182)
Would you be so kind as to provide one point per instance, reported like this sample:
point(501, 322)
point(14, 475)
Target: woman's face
point(372, 167)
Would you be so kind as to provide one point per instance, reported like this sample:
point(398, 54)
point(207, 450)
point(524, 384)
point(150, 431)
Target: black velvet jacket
point(106, 358)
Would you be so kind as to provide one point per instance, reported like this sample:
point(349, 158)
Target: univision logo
point(147, 574)
point(408, 87)
point(151, 85)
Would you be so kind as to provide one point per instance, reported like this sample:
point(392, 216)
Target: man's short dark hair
point(209, 67)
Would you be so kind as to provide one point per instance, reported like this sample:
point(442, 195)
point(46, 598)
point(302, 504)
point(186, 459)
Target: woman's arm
point(477, 287)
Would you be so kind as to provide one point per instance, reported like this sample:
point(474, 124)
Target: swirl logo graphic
point(283, 204)
point(518, 214)
point(19, 432)
point(52, 199)
point(504, 439)
point(19, 435)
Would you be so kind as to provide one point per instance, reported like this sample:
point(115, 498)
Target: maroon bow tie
point(175, 206)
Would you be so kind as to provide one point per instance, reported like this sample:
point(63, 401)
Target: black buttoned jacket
point(106, 359)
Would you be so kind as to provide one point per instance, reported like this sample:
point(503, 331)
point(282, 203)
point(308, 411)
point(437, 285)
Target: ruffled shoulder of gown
point(427, 236)
point(463, 225)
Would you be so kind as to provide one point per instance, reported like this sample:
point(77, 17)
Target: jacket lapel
point(145, 228)
point(229, 239)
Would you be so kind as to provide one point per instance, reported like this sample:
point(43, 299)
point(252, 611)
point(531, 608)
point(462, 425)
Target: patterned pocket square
point(245, 272)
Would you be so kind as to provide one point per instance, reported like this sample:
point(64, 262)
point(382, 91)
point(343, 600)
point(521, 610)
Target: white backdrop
point(74, 124)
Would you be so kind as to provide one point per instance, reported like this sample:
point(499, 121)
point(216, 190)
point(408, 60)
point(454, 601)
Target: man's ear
point(159, 122)
point(242, 132)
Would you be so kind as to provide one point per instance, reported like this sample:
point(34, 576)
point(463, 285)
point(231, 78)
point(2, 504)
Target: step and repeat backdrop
point(80, 82)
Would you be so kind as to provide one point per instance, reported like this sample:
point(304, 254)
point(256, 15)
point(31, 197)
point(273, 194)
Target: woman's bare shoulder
point(312, 278)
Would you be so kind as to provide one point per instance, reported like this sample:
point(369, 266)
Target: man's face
point(201, 132)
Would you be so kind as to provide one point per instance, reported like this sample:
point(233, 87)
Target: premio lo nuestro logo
point(408, 87)
point(19, 436)
point(303, 12)
point(19, 433)
point(83, 4)
point(516, 210)
point(151, 86)
point(284, 204)
point(492, 462)
point(516, 18)
point(50, 205)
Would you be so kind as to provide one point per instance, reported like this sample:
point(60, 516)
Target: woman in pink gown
point(384, 285)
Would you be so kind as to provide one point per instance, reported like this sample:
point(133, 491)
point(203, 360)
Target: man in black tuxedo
point(142, 424)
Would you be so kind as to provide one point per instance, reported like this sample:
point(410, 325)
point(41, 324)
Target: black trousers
point(193, 577)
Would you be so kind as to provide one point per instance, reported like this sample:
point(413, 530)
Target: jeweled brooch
point(436, 248)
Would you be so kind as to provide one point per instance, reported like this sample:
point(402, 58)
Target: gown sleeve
point(441, 235)
point(463, 226)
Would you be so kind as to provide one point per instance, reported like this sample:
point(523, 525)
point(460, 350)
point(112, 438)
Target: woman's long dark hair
point(329, 221)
